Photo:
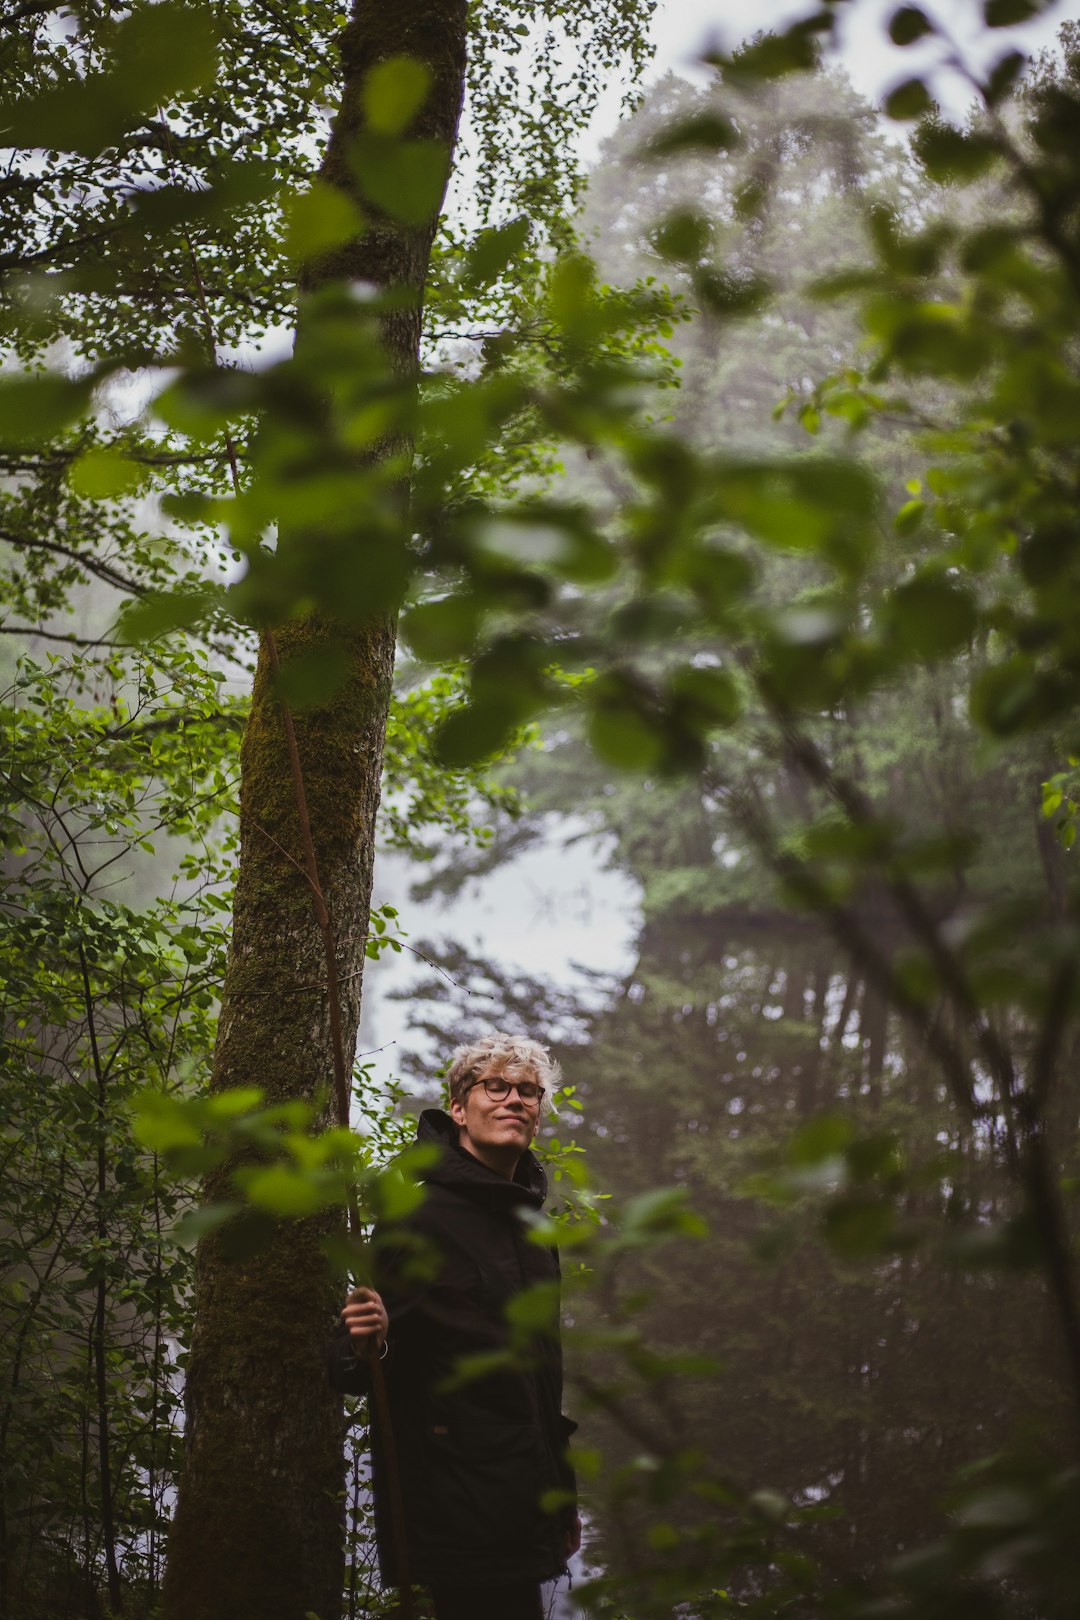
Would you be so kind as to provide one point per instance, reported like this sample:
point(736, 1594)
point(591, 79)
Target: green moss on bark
point(258, 1530)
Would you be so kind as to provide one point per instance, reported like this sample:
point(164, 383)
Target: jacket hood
point(466, 1174)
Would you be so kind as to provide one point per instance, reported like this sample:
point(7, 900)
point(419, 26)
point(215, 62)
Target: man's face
point(502, 1126)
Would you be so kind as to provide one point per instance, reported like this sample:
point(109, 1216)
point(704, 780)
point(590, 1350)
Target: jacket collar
point(465, 1174)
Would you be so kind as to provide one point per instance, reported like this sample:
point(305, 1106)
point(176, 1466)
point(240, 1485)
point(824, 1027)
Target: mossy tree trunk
point(259, 1522)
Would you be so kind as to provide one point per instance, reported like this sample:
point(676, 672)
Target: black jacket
point(474, 1457)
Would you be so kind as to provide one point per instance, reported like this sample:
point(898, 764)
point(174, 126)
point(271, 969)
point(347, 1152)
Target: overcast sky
point(683, 27)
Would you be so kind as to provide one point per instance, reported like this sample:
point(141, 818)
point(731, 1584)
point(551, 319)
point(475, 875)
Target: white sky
point(684, 27)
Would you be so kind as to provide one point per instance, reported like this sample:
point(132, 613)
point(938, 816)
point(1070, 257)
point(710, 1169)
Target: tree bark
point(259, 1523)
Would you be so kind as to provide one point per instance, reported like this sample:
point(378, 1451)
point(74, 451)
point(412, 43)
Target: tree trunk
point(259, 1523)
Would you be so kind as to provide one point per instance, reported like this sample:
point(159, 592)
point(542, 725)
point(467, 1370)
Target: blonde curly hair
point(516, 1056)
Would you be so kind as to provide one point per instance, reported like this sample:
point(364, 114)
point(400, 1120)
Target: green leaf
point(726, 294)
point(663, 1212)
point(909, 100)
point(859, 1228)
point(535, 1309)
point(1004, 77)
point(1057, 125)
point(625, 725)
point(682, 237)
point(480, 1364)
point(1005, 13)
point(1012, 1245)
point(473, 733)
point(313, 678)
point(708, 131)
point(822, 1138)
point(927, 338)
point(281, 1190)
point(159, 613)
point(443, 630)
point(1014, 696)
point(876, 1157)
point(202, 403)
point(103, 474)
point(230, 1104)
point(1001, 1507)
point(909, 24)
point(547, 539)
point(552, 1500)
point(625, 738)
point(572, 295)
point(33, 408)
point(162, 1123)
point(917, 253)
point(176, 207)
point(510, 674)
point(809, 503)
point(834, 837)
point(1052, 799)
point(708, 697)
point(719, 577)
point(770, 1505)
point(248, 1234)
point(320, 218)
point(406, 179)
point(931, 616)
point(749, 200)
point(949, 154)
point(197, 1223)
point(774, 56)
point(909, 518)
point(393, 94)
point(165, 50)
point(492, 250)
point(397, 1191)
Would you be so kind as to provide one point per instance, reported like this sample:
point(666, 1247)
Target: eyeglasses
point(498, 1088)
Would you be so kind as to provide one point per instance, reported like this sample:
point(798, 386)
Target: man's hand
point(573, 1537)
point(366, 1319)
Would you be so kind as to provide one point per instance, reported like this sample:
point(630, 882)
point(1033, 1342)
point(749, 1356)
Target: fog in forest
point(840, 1308)
point(699, 1017)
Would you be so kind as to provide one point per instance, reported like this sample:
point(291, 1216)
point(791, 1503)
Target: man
point(475, 1454)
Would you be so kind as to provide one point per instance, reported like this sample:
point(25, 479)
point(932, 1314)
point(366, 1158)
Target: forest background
point(732, 510)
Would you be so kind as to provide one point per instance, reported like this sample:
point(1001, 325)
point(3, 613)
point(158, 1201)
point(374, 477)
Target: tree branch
point(93, 565)
point(54, 635)
point(29, 8)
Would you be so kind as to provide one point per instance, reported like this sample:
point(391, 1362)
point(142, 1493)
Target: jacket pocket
point(480, 1442)
point(483, 1481)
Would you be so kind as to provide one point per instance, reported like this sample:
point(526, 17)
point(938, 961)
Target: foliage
point(157, 209)
point(109, 979)
point(892, 1268)
point(1059, 802)
point(734, 612)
